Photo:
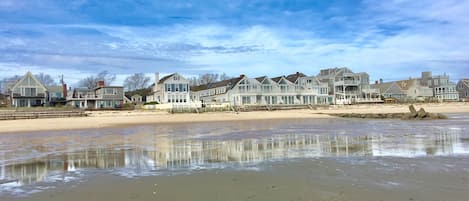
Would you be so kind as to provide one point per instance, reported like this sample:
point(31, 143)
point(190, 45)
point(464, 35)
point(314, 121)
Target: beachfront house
point(28, 92)
point(443, 88)
point(404, 90)
point(171, 89)
point(389, 90)
point(414, 89)
point(463, 89)
point(101, 97)
point(57, 95)
point(294, 89)
point(348, 87)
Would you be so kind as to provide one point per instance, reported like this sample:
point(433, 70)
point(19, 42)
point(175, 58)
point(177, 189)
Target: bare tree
point(8, 82)
point(91, 82)
point(136, 81)
point(207, 78)
point(224, 76)
point(46, 79)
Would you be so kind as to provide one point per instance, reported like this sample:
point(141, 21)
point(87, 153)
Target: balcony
point(347, 82)
point(85, 97)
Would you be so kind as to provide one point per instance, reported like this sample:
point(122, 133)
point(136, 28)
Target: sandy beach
point(101, 119)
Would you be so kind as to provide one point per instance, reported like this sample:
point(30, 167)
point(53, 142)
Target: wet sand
point(295, 159)
point(352, 179)
point(101, 119)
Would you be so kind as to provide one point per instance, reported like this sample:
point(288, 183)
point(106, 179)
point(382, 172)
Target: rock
point(441, 116)
point(421, 113)
point(412, 109)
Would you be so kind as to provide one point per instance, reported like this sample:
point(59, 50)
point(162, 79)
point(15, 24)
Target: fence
point(13, 115)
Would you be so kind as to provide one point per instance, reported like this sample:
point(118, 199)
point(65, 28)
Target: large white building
point(293, 89)
point(173, 89)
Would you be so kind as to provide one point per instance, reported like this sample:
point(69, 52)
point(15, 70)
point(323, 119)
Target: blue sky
point(388, 39)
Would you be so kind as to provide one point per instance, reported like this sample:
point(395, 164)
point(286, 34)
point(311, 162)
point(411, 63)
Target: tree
point(8, 82)
point(136, 81)
point(91, 82)
point(46, 79)
point(207, 78)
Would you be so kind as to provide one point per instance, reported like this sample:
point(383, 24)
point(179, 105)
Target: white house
point(173, 88)
point(28, 92)
point(283, 90)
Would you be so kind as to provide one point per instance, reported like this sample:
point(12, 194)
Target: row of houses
point(426, 87)
point(330, 86)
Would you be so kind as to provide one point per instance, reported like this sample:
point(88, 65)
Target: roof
point(229, 82)
point(465, 82)
point(406, 84)
point(293, 77)
point(388, 88)
point(260, 79)
point(383, 87)
point(32, 76)
point(277, 79)
point(161, 81)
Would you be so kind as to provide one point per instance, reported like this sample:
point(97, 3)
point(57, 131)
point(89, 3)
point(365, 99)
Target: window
point(168, 87)
point(172, 88)
point(29, 92)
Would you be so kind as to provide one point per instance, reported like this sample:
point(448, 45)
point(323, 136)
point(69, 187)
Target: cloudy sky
point(388, 39)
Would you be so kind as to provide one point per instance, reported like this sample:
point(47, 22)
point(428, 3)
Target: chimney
point(381, 81)
point(157, 79)
point(242, 76)
point(101, 83)
point(376, 81)
point(64, 89)
point(297, 74)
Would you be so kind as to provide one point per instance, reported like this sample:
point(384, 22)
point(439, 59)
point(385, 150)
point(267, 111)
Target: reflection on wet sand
point(166, 152)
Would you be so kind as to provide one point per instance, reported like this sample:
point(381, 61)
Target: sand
point(101, 119)
point(386, 179)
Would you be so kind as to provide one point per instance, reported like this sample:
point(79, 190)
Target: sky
point(392, 40)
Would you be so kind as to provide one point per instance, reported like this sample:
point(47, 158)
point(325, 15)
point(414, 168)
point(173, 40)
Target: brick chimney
point(242, 76)
point(101, 83)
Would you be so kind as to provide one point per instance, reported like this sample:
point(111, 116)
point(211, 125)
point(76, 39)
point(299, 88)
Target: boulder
point(421, 113)
point(412, 109)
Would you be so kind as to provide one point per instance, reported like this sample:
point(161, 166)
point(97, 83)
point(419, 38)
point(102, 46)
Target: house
point(57, 95)
point(414, 90)
point(173, 89)
point(348, 87)
point(390, 90)
point(283, 90)
point(137, 99)
point(28, 92)
point(463, 89)
point(101, 97)
point(443, 88)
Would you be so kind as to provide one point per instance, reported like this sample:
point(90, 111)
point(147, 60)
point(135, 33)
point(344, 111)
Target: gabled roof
point(161, 81)
point(260, 79)
point(294, 77)
point(388, 88)
point(465, 82)
point(277, 79)
point(230, 83)
point(29, 74)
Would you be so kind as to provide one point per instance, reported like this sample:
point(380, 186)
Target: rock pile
point(422, 114)
point(413, 115)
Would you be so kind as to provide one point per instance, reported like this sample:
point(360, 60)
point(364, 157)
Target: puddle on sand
point(31, 162)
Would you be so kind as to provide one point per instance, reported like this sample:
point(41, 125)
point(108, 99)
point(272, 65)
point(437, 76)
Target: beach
point(103, 119)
